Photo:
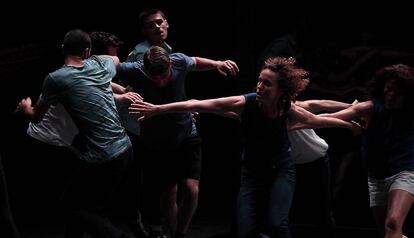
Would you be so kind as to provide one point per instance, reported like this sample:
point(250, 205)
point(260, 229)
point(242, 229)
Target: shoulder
point(179, 57)
point(249, 98)
point(180, 60)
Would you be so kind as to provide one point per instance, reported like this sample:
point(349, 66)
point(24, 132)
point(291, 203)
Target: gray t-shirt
point(87, 96)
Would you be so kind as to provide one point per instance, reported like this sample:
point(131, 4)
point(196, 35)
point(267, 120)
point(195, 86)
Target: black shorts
point(170, 166)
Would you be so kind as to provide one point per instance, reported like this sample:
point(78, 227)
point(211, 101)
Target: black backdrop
point(236, 30)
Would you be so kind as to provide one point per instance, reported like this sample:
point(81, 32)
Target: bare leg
point(188, 205)
point(169, 210)
point(399, 204)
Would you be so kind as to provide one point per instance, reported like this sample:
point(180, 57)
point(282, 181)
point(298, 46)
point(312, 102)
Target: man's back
point(86, 94)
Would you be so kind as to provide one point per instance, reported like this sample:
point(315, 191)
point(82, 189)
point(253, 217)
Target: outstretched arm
point(226, 106)
point(300, 118)
point(223, 67)
point(316, 106)
point(358, 111)
point(124, 94)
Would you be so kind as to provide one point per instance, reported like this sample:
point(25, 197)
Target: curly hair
point(292, 80)
point(102, 40)
point(403, 76)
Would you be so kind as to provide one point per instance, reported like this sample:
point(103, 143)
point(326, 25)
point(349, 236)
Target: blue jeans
point(265, 197)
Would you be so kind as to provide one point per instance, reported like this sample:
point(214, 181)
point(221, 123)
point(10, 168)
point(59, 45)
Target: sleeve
point(108, 64)
point(183, 61)
point(49, 95)
point(250, 97)
point(130, 72)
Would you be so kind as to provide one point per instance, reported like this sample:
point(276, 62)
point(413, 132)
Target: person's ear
point(87, 53)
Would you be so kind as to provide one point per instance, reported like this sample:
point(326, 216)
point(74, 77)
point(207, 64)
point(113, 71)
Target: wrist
point(218, 63)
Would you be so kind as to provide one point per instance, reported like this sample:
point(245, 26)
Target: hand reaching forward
point(227, 66)
point(142, 110)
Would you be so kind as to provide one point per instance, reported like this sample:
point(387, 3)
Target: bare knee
point(393, 223)
point(191, 189)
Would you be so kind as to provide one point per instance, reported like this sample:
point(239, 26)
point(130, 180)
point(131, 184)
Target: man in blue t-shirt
point(171, 145)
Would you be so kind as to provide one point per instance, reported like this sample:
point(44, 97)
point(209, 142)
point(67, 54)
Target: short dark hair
point(75, 42)
point(156, 61)
point(102, 40)
point(146, 13)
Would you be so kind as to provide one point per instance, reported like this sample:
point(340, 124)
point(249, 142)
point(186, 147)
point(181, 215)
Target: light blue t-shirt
point(87, 96)
point(167, 130)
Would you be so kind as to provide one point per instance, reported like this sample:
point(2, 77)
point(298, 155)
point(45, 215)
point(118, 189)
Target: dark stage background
point(237, 30)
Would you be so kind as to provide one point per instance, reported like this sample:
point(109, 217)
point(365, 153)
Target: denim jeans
point(265, 197)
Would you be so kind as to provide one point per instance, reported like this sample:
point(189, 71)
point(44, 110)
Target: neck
point(75, 61)
point(158, 43)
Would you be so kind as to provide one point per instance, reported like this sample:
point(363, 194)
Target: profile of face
point(393, 94)
point(267, 89)
point(155, 28)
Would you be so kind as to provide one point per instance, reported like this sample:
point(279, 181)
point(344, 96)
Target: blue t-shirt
point(167, 130)
point(87, 96)
point(388, 143)
point(265, 139)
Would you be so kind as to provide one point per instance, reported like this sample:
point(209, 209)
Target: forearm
point(36, 113)
point(333, 122)
point(203, 64)
point(116, 88)
point(298, 115)
point(227, 106)
point(316, 106)
point(333, 106)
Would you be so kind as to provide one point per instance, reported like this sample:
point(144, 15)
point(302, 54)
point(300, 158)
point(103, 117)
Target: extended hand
point(227, 66)
point(24, 104)
point(142, 110)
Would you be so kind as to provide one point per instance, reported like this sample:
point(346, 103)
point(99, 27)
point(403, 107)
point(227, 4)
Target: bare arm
point(223, 67)
point(35, 113)
point(300, 118)
point(116, 88)
point(115, 59)
point(124, 95)
point(316, 106)
point(357, 111)
point(226, 106)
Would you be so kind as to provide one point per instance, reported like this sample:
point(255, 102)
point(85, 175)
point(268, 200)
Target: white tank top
point(306, 145)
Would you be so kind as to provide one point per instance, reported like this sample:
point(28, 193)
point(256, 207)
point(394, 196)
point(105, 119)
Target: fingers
point(229, 66)
point(25, 102)
point(194, 115)
point(136, 97)
point(132, 97)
